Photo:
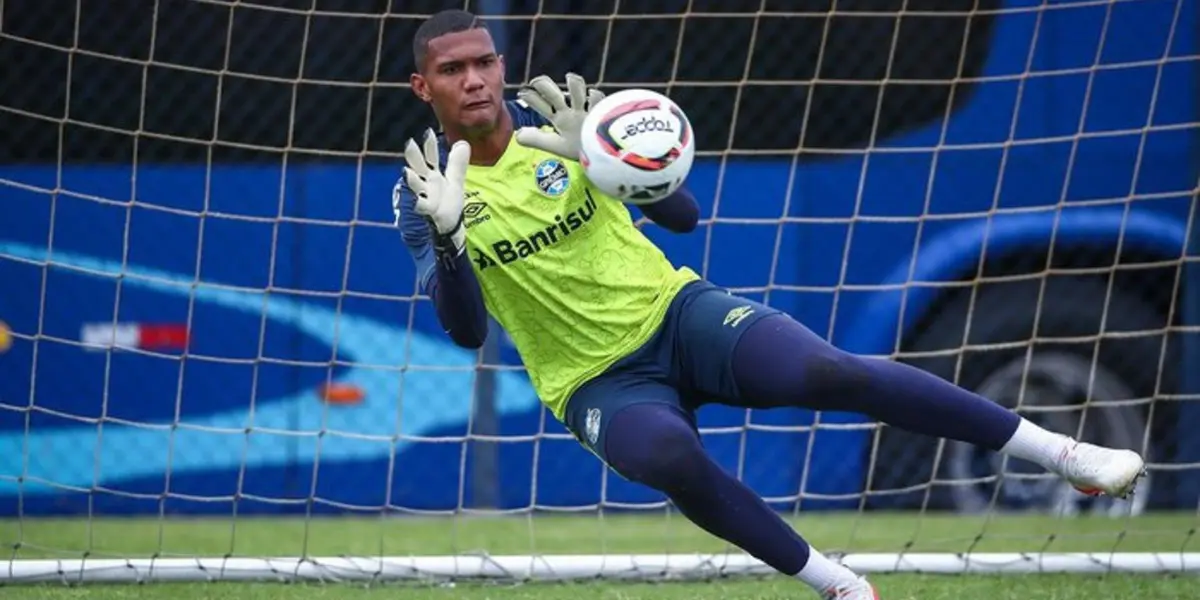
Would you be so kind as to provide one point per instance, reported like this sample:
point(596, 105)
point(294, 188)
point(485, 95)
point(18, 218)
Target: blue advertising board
point(291, 276)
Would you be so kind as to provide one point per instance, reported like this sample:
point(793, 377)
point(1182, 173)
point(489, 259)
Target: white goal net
point(215, 364)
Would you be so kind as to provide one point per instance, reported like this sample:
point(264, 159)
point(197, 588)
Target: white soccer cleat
point(859, 589)
point(1096, 470)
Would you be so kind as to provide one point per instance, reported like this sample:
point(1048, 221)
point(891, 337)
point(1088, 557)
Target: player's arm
point(446, 277)
point(432, 229)
point(678, 212)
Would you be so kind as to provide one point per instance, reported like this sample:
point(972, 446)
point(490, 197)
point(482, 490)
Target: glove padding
point(439, 196)
point(544, 97)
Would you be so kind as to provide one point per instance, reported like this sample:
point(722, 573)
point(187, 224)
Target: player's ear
point(420, 87)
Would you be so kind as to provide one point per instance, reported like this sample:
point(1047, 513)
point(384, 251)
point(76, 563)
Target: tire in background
point(1058, 373)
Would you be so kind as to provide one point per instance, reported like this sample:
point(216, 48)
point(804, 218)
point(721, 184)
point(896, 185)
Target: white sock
point(1037, 445)
point(823, 574)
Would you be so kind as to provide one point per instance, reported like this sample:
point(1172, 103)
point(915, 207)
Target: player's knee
point(671, 460)
point(657, 447)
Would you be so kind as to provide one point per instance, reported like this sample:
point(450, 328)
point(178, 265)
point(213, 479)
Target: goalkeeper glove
point(439, 196)
point(544, 97)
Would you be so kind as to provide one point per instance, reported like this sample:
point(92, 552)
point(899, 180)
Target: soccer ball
point(637, 146)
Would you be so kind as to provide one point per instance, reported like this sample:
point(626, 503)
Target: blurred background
point(207, 310)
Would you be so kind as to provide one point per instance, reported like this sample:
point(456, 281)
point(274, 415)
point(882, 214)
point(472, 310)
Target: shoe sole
point(1123, 493)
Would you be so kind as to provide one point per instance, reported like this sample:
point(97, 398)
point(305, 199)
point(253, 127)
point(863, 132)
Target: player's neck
point(486, 149)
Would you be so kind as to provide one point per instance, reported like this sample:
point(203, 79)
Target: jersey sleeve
point(415, 233)
point(679, 212)
point(523, 116)
point(450, 282)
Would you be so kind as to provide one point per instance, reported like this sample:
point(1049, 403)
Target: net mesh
point(207, 311)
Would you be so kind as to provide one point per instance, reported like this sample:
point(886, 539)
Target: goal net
point(216, 363)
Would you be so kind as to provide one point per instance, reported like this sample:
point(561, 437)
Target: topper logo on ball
point(645, 125)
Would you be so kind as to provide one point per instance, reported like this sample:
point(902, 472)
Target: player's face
point(463, 80)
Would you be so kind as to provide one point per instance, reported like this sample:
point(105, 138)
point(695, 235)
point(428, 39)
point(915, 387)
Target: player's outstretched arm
point(678, 212)
point(428, 208)
point(543, 103)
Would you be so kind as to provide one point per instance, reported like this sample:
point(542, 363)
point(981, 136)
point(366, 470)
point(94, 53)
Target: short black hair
point(442, 23)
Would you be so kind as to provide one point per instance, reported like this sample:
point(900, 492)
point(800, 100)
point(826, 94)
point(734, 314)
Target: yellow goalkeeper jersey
point(563, 269)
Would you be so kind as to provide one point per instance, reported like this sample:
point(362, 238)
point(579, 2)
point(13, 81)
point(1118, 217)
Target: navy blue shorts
point(686, 364)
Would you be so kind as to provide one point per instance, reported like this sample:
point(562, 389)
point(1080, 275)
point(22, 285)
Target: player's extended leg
point(632, 418)
point(656, 444)
point(779, 362)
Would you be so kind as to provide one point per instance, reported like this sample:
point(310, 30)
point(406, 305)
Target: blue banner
point(290, 277)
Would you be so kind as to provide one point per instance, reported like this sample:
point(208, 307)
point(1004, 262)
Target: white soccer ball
point(637, 146)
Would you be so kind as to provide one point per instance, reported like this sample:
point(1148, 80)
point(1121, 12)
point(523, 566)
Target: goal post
point(650, 567)
point(215, 363)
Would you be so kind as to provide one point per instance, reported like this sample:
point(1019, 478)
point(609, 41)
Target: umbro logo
point(472, 209)
point(475, 213)
point(734, 317)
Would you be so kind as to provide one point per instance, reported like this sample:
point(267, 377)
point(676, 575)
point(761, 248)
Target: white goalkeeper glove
point(439, 196)
point(544, 97)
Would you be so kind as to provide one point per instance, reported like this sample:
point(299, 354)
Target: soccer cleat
point(1096, 470)
point(859, 589)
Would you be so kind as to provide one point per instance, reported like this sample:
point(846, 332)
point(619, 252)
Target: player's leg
point(775, 361)
point(779, 362)
point(636, 424)
point(657, 445)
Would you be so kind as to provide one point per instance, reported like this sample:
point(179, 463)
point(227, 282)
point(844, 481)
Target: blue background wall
point(238, 417)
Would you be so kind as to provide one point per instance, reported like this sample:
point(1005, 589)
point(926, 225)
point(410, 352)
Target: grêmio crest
point(552, 177)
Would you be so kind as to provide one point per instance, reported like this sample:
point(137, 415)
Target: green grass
point(101, 538)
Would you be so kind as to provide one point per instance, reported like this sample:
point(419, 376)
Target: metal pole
point(485, 467)
point(1187, 438)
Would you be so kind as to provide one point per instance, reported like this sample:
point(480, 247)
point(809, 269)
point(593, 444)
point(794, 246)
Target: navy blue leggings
point(780, 363)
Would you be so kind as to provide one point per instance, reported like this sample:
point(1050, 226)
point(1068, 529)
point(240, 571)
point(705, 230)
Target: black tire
point(1058, 372)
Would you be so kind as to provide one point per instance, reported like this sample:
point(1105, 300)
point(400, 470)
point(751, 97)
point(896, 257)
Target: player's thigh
point(709, 326)
point(591, 408)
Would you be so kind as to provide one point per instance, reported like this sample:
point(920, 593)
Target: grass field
point(103, 538)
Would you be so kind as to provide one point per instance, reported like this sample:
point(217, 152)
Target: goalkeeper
point(622, 346)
